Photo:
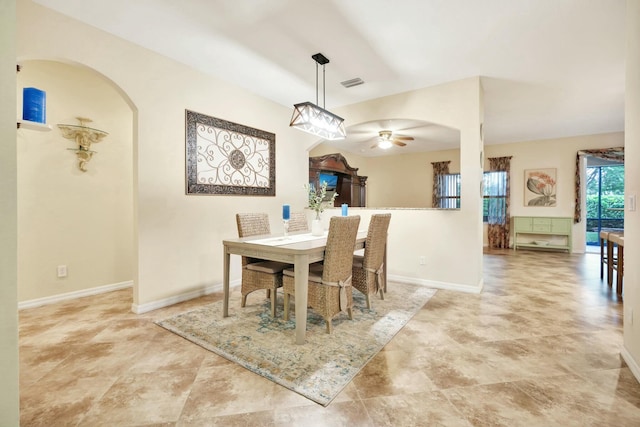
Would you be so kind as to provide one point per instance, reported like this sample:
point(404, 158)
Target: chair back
point(341, 241)
point(252, 224)
point(376, 241)
point(298, 222)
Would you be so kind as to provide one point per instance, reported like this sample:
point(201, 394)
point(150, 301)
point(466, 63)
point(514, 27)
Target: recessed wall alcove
point(80, 220)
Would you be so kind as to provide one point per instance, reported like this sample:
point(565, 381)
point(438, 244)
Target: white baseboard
point(631, 362)
point(166, 302)
point(73, 295)
point(436, 284)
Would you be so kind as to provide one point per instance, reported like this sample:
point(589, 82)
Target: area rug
point(318, 369)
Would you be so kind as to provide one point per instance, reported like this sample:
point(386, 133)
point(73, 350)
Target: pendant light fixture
point(309, 117)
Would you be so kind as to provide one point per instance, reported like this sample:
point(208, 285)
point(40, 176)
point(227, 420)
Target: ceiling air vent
point(353, 82)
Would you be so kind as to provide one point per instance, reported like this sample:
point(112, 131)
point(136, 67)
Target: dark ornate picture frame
point(228, 158)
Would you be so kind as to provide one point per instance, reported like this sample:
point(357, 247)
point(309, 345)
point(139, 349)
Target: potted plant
point(318, 202)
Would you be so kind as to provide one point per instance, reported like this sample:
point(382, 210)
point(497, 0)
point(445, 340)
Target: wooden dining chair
point(257, 273)
point(298, 222)
point(369, 269)
point(329, 287)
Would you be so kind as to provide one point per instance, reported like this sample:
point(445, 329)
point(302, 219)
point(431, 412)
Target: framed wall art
point(227, 158)
point(540, 187)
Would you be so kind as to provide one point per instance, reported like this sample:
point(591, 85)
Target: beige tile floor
point(540, 346)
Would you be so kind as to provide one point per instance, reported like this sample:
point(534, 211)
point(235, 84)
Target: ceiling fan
point(387, 139)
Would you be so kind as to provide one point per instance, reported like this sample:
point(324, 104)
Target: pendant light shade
point(311, 118)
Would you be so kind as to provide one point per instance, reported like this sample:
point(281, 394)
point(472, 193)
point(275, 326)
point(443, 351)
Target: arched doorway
point(82, 221)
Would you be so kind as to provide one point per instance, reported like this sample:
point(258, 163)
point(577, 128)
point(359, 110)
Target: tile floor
point(540, 346)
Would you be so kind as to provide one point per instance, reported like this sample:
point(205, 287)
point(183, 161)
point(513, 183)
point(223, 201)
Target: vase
point(316, 227)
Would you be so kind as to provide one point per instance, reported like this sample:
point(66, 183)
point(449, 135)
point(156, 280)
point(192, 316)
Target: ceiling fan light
point(384, 144)
point(315, 120)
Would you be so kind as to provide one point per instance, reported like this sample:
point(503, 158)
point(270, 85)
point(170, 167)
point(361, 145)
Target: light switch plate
point(632, 203)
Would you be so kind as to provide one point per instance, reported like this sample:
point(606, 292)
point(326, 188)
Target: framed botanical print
point(540, 187)
point(227, 158)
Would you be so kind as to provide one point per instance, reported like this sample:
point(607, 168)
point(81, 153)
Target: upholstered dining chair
point(298, 222)
point(368, 269)
point(256, 273)
point(329, 287)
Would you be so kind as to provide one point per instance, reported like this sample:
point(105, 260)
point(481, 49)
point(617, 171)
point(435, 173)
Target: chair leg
point(381, 294)
point(350, 313)
point(244, 301)
point(329, 326)
point(368, 302)
point(274, 298)
point(603, 258)
point(286, 306)
point(268, 293)
point(620, 274)
point(610, 262)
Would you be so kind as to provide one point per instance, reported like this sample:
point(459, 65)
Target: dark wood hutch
point(350, 187)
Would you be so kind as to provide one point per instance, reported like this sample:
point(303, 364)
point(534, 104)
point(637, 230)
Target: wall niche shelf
point(28, 124)
point(84, 136)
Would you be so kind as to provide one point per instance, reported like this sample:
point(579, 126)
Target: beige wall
point(68, 217)
point(412, 233)
point(177, 238)
point(559, 154)
point(400, 170)
point(631, 350)
point(9, 393)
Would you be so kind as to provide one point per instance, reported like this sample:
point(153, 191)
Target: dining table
point(298, 249)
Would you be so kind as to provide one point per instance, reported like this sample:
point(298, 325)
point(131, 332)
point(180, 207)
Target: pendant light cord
point(324, 94)
point(316, 82)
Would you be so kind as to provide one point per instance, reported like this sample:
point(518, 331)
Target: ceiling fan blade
point(374, 145)
point(399, 143)
point(403, 137)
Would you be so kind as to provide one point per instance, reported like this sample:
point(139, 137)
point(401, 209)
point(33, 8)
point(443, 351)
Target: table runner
point(292, 238)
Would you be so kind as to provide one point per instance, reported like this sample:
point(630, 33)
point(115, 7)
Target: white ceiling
point(550, 68)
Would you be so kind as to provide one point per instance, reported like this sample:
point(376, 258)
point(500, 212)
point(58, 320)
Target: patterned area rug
point(318, 369)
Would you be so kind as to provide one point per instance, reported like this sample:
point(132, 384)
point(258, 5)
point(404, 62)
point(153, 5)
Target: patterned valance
point(500, 164)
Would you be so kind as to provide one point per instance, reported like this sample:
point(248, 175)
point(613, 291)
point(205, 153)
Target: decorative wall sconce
point(84, 136)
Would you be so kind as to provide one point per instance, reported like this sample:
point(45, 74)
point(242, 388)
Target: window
point(448, 191)
point(495, 196)
point(495, 193)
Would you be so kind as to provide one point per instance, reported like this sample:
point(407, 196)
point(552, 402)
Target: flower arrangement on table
point(317, 200)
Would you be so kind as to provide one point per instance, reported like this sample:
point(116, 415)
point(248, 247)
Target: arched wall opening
point(82, 220)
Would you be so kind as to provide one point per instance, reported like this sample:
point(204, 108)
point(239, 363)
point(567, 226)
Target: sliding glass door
point(605, 200)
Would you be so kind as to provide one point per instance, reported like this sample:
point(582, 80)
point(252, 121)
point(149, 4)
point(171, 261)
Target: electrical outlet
point(422, 260)
point(62, 271)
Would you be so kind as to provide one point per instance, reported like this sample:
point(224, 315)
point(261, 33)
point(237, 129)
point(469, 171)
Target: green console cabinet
point(542, 232)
